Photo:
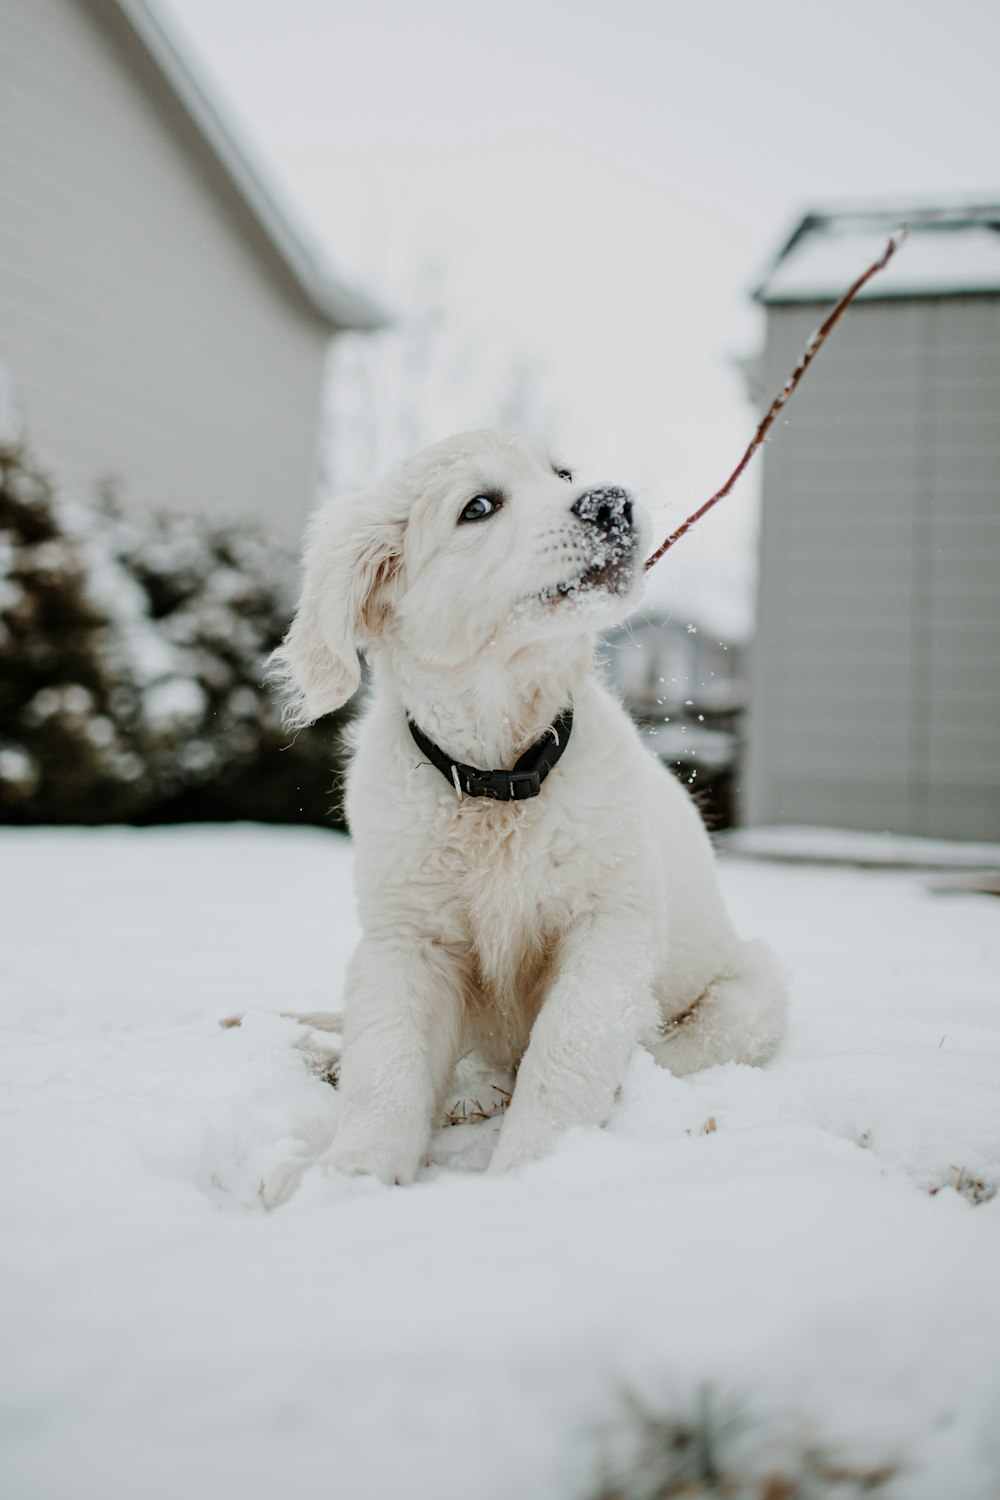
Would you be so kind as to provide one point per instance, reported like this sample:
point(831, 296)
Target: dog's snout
point(609, 508)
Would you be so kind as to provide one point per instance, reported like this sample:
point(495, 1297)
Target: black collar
point(522, 781)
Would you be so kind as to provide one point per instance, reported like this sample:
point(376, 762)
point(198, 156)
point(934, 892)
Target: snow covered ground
point(814, 1244)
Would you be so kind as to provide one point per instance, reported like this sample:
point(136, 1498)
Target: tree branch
point(813, 347)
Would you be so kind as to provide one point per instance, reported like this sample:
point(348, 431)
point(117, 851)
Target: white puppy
point(550, 932)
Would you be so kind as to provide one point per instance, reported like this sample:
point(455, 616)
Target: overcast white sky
point(601, 182)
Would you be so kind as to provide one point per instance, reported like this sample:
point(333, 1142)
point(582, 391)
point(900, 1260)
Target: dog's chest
point(508, 875)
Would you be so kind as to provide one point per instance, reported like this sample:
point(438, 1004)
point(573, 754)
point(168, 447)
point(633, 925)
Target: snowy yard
point(814, 1244)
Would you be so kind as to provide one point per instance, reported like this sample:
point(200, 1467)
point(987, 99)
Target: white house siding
point(876, 671)
point(149, 331)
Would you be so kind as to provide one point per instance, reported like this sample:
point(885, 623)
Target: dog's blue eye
point(479, 507)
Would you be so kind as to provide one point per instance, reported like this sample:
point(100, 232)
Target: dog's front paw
point(282, 1182)
point(342, 1174)
point(516, 1149)
point(356, 1159)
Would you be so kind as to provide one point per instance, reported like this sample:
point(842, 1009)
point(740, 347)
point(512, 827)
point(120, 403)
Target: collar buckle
point(503, 786)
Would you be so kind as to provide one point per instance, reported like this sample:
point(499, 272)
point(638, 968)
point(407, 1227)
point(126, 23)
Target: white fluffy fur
point(552, 935)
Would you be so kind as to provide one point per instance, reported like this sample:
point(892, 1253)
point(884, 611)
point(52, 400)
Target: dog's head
point(483, 543)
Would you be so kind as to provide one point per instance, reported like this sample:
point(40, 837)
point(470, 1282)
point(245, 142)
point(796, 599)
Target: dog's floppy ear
point(352, 557)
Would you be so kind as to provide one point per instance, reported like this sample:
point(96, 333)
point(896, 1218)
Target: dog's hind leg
point(739, 1018)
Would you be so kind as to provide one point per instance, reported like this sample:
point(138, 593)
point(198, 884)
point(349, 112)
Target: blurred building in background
point(876, 668)
point(161, 321)
point(686, 690)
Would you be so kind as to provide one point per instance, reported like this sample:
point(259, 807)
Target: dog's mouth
point(610, 576)
point(602, 578)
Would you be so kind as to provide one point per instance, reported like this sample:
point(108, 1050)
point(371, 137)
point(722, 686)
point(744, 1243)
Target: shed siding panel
point(876, 672)
point(146, 334)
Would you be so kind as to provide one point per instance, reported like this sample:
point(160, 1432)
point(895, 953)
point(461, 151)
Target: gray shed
point(160, 319)
point(875, 700)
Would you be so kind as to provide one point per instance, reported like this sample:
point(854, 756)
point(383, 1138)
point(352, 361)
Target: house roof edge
point(338, 305)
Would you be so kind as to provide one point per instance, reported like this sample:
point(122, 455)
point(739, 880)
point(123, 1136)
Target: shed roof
point(336, 304)
point(952, 250)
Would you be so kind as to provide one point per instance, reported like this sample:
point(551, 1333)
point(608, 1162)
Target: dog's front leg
point(401, 1040)
point(599, 1008)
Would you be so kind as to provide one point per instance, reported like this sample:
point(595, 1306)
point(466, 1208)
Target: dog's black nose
point(609, 508)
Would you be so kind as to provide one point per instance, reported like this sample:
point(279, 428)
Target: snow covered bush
point(131, 651)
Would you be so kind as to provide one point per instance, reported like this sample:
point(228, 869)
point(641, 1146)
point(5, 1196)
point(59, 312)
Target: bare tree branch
point(813, 347)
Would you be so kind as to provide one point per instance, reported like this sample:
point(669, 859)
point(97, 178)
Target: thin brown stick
point(813, 347)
